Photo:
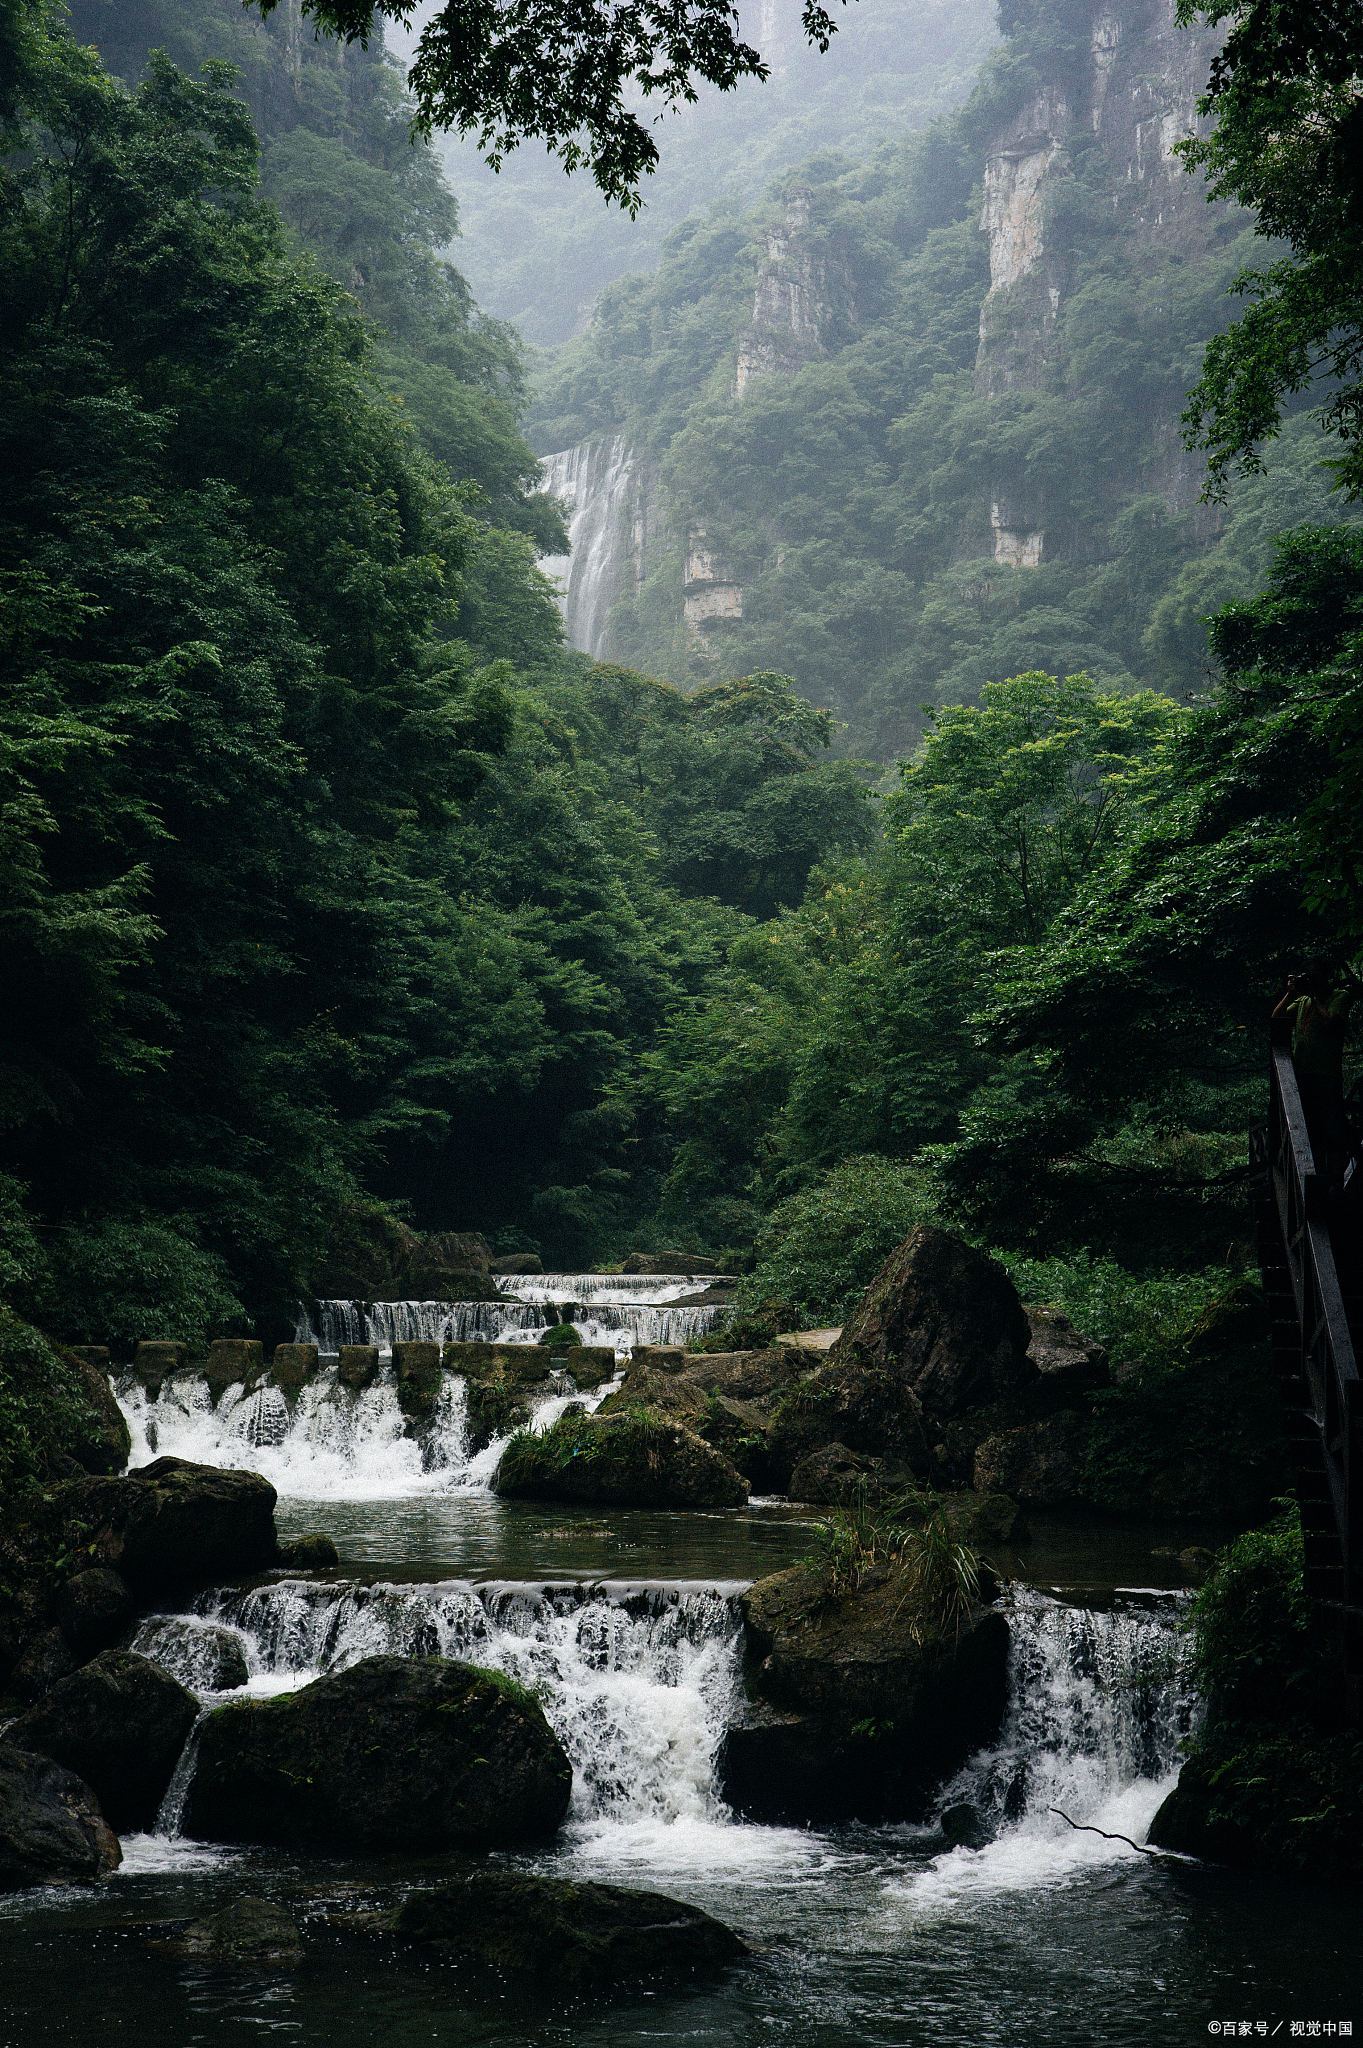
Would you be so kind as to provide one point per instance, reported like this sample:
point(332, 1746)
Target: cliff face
point(1097, 138)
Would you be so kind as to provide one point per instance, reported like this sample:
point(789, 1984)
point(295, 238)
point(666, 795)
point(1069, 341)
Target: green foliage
point(938, 1576)
point(43, 1413)
point(1262, 1648)
point(561, 1337)
point(821, 1248)
point(115, 1280)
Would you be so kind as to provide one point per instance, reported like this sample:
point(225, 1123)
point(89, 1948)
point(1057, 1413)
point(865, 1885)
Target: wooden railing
point(1329, 1371)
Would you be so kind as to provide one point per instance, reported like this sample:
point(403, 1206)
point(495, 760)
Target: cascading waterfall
point(640, 1680)
point(594, 477)
point(334, 1440)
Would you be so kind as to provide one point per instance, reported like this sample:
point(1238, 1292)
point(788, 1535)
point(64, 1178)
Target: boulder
point(668, 1262)
point(867, 1408)
point(357, 1365)
point(201, 1654)
point(631, 1459)
point(172, 1523)
point(451, 1251)
point(493, 1407)
point(105, 1444)
point(1041, 1464)
point(945, 1322)
point(575, 1937)
point(837, 1475)
point(46, 1660)
point(292, 1366)
point(120, 1723)
point(1070, 1367)
point(393, 1753)
point(314, 1553)
point(866, 1702)
point(248, 1931)
point(93, 1609)
point(518, 1262)
point(416, 1367)
point(51, 1828)
point(155, 1360)
point(233, 1361)
point(962, 1827)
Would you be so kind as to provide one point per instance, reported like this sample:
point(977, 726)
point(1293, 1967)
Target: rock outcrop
point(201, 1654)
point(94, 1607)
point(172, 1523)
point(120, 1724)
point(866, 1702)
point(248, 1931)
point(574, 1937)
point(51, 1827)
point(630, 1459)
point(394, 1753)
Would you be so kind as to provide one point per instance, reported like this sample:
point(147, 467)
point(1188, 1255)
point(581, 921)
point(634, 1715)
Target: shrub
point(820, 1249)
point(42, 1410)
point(116, 1281)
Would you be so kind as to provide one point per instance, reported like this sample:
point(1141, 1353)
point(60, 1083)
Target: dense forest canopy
point(332, 877)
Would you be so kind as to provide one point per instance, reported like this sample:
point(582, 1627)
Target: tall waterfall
point(595, 477)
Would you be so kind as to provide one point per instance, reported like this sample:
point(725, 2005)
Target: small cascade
point(595, 478)
point(618, 1309)
point(638, 1679)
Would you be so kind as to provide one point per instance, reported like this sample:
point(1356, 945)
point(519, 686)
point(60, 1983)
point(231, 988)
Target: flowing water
point(627, 1625)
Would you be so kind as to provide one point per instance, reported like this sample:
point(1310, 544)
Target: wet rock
point(47, 1659)
point(982, 1519)
point(525, 1365)
point(738, 1429)
point(200, 1654)
point(172, 1523)
point(292, 1366)
point(248, 1931)
point(357, 1365)
point(315, 1553)
point(1198, 1563)
point(1071, 1367)
point(51, 1827)
point(518, 1262)
point(94, 1607)
point(631, 1459)
point(876, 1701)
point(120, 1724)
point(836, 1475)
point(105, 1445)
point(866, 1409)
point(153, 1362)
point(1041, 1464)
point(416, 1368)
point(233, 1361)
point(945, 1322)
point(394, 1752)
point(493, 1407)
point(575, 1937)
point(962, 1827)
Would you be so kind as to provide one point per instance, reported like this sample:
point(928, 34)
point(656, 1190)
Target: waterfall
point(595, 478)
point(620, 1309)
point(640, 1679)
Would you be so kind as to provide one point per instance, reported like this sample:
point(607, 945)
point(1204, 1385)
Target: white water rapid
point(639, 1681)
point(595, 479)
point(334, 1442)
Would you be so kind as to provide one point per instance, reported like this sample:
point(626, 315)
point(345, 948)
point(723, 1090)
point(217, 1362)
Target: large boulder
point(867, 1701)
point(633, 1459)
point(945, 1322)
point(171, 1523)
point(1041, 1464)
point(120, 1723)
point(869, 1409)
point(103, 1446)
point(51, 1828)
point(394, 1753)
point(201, 1654)
point(1070, 1366)
point(94, 1607)
point(574, 1937)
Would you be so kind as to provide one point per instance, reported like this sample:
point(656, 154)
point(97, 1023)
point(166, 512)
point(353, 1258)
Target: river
point(627, 1624)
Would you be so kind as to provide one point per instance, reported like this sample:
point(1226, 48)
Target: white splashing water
point(639, 1680)
point(1099, 1704)
point(615, 1309)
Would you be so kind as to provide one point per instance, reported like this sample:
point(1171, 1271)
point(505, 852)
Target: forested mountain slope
point(913, 423)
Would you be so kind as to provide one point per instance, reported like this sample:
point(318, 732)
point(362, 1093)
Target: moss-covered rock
point(1263, 1796)
point(154, 1361)
point(171, 1523)
point(867, 1408)
point(1042, 1464)
point(633, 1458)
point(870, 1699)
point(357, 1366)
point(575, 1938)
point(120, 1724)
point(248, 1931)
point(416, 1367)
point(495, 1407)
point(312, 1553)
point(395, 1752)
point(233, 1361)
point(292, 1367)
point(525, 1365)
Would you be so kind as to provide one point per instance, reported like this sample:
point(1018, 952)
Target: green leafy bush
point(115, 1281)
point(42, 1410)
point(1262, 1648)
point(821, 1248)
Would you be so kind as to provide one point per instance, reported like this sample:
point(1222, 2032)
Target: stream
point(627, 1623)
